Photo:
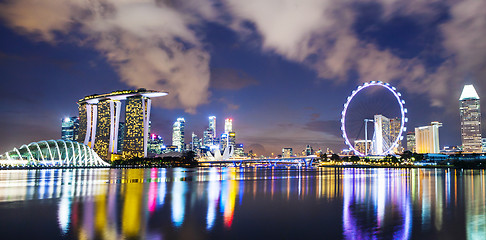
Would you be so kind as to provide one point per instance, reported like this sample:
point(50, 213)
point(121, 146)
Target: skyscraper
point(228, 125)
point(427, 138)
point(381, 138)
point(137, 115)
point(106, 140)
point(395, 127)
point(208, 137)
point(178, 134)
point(411, 142)
point(155, 144)
point(70, 128)
point(195, 143)
point(470, 119)
point(212, 125)
point(287, 152)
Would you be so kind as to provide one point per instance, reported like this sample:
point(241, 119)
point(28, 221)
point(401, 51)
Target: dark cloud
point(230, 79)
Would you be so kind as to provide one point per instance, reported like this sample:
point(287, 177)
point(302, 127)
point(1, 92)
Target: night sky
point(281, 69)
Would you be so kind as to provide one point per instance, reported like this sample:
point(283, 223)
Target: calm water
point(246, 203)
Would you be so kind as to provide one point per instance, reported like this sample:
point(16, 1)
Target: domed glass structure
point(61, 153)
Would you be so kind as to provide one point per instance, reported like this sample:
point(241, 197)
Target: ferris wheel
point(387, 130)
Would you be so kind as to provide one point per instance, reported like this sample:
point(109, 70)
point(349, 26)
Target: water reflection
point(207, 202)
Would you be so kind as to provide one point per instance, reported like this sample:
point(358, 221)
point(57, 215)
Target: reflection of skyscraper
point(178, 134)
point(427, 138)
point(70, 128)
point(470, 120)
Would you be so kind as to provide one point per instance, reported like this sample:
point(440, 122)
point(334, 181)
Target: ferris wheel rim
point(400, 101)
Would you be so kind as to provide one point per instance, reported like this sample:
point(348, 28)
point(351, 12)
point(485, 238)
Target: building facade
point(395, 127)
point(287, 152)
point(411, 142)
point(70, 129)
point(178, 134)
point(228, 125)
point(470, 112)
point(381, 138)
point(212, 125)
point(427, 138)
point(362, 146)
point(155, 144)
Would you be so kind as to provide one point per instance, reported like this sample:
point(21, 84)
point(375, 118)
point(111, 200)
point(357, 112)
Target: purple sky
point(281, 69)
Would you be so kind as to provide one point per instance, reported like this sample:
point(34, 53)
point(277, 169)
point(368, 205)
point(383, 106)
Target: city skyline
point(279, 84)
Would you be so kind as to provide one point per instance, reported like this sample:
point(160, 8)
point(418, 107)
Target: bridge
point(304, 160)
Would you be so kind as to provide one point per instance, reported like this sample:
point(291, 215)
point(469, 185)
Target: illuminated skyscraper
point(121, 136)
point(361, 145)
point(228, 125)
point(381, 137)
point(427, 138)
point(178, 134)
point(87, 122)
point(411, 142)
point(470, 119)
point(208, 137)
point(137, 114)
point(483, 144)
point(70, 128)
point(231, 139)
point(99, 121)
point(287, 152)
point(155, 144)
point(239, 150)
point(106, 140)
point(395, 127)
point(212, 125)
point(195, 143)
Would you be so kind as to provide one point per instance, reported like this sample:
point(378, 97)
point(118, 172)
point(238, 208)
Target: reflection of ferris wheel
point(388, 133)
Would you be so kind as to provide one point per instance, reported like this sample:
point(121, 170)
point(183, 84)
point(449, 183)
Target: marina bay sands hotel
point(99, 120)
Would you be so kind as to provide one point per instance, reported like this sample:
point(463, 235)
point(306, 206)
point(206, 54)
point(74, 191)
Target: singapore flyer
point(373, 120)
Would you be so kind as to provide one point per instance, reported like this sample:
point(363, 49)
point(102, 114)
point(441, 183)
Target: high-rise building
point(121, 136)
point(381, 137)
point(155, 144)
point(362, 146)
point(195, 143)
point(87, 122)
point(427, 138)
point(224, 140)
point(208, 137)
point(178, 134)
point(470, 120)
point(239, 150)
point(106, 140)
point(231, 139)
point(308, 150)
point(102, 113)
point(411, 142)
point(137, 115)
point(228, 125)
point(395, 127)
point(70, 128)
point(212, 125)
point(287, 152)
